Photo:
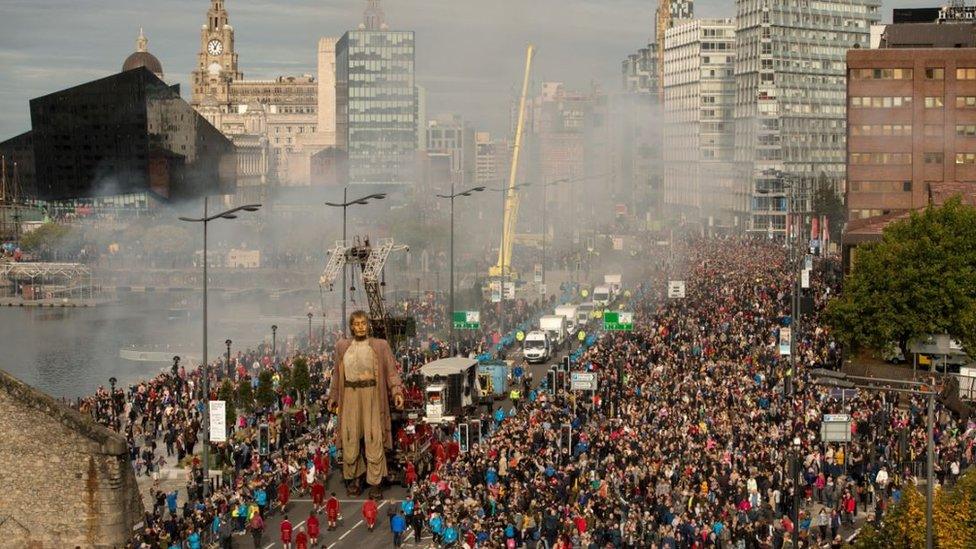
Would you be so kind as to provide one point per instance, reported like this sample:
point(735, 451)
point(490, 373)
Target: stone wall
point(66, 482)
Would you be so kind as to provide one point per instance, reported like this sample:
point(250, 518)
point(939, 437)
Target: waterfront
point(69, 352)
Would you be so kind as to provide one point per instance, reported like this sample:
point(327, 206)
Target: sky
point(469, 52)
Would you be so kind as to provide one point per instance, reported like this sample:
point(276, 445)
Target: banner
point(815, 228)
point(218, 421)
point(784, 341)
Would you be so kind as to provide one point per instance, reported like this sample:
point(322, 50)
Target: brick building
point(911, 132)
point(67, 482)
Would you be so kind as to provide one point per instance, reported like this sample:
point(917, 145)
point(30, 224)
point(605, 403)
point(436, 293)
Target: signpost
point(805, 279)
point(835, 428)
point(618, 321)
point(467, 320)
point(583, 381)
point(218, 421)
point(496, 291)
point(785, 339)
point(509, 290)
point(676, 289)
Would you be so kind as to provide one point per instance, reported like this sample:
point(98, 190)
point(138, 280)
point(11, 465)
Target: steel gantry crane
point(503, 268)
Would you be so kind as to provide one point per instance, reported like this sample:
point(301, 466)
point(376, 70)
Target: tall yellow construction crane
point(503, 268)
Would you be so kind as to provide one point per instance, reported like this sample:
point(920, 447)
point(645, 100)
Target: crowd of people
point(695, 438)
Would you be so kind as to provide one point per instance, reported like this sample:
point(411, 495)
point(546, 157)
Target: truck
point(602, 295)
point(555, 327)
point(536, 347)
point(584, 313)
point(569, 313)
point(493, 379)
point(451, 388)
point(614, 281)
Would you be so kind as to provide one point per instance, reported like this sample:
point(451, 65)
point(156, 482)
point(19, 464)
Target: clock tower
point(217, 61)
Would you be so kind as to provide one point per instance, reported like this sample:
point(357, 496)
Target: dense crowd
point(693, 439)
point(694, 446)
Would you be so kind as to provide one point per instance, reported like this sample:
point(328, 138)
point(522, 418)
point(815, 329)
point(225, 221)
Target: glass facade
point(129, 133)
point(377, 105)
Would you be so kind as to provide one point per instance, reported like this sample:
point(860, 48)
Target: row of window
point(881, 158)
point(881, 129)
point(881, 186)
point(881, 102)
point(931, 73)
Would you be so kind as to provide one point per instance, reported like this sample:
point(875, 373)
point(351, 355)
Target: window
point(881, 158)
point(933, 102)
point(966, 74)
point(883, 102)
point(967, 130)
point(965, 158)
point(934, 158)
point(965, 101)
point(934, 74)
point(881, 74)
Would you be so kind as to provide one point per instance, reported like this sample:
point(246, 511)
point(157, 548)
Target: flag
point(814, 228)
point(824, 227)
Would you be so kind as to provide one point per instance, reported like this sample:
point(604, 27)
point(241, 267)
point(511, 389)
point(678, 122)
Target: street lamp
point(831, 378)
point(501, 271)
point(230, 373)
point(796, 491)
point(310, 315)
point(345, 205)
point(112, 381)
point(205, 220)
point(274, 341)
point(451, 197)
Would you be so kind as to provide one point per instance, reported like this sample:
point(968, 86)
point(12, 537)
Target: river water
point(72, 351)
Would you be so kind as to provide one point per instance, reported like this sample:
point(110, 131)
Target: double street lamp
point(451, 197)
point(831, 378)
point(345, 205)
point(230, 372)
point(274, 341)
point(205, 220)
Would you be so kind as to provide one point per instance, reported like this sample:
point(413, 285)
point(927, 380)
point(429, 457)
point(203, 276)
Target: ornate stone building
point(274, 123)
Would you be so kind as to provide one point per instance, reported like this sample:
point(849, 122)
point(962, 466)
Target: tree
point(301, 379)
point(266, 394)
point(826, 201)
point(227, 394)
point(245, 395)
point(52, 238)
point(953, 514)
point(919, 280)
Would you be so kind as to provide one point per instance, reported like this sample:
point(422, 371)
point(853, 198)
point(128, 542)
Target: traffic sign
point(218, 421)
point(584, 292)
point(583, 381)
point(519, 335)
point(496, 291)
point(542, 289)
point(467, 320)
point(676, 289)
point(581, 335)
point(618, 321)
point(835, 428)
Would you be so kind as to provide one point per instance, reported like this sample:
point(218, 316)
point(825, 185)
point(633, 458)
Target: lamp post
point(112, 381)
point(274, 341)
point(451, 197)
point(796, 492)
point(230, 372)
point(831, 378)
point(504, 191)
point(310, 315)
point(205, 220)
point(345, 205)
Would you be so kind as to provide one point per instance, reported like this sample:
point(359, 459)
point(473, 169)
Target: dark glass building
point(376, 105)
point(129, 134)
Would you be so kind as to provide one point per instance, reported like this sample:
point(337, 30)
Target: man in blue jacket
point(398, 525)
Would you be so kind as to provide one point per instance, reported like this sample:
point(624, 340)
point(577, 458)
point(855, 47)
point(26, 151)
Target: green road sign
point(467, 320)
point(618, 321)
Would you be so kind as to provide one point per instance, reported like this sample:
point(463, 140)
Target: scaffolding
point(47, 282)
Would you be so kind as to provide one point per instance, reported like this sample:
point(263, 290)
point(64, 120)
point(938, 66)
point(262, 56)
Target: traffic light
point(264, 440)
point(565, 363)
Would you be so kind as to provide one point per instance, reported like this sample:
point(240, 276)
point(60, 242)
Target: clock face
point(214, 47)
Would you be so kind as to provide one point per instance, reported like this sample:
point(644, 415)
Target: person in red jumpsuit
point(283, 493)
point(410, 476)
point(286, 533)
point(301, 540)
point(369, 513)
point(332, 511)
point(318, 495)
point(313, 528)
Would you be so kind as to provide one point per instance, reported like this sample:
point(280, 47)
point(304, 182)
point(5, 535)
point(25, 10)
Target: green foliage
point(826, 201)
point(265, 395)
point(164, 240)
point(228, 395)
point(245, 395)
point(301, 378)
point(920, 279)
point(52, 238)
